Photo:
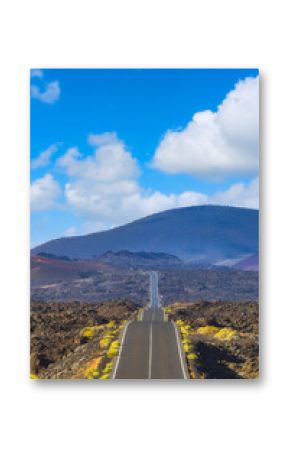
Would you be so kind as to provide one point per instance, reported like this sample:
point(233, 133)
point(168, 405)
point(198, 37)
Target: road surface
point(150, 348)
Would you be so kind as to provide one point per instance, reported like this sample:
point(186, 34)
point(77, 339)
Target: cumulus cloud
point(216, 144)
point(104, 188)
point(49, 93)
point(44, 158)
point(240, 194)
point(44, 192)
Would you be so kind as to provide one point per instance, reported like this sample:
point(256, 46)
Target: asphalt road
point(150, 348)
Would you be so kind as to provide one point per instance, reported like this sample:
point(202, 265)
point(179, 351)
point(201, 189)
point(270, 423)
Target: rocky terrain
point(78, 340)
point(94, 281)
point(195, 284)
point(79, 308)
point(89, 281)
point(69, 340)
point(220, 339)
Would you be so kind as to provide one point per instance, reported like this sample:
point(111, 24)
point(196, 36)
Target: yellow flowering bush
point(92, 370)
point(186, 340)
point(114, 348)
point(107, 371)
point(192, 356)
point(88, 332)
point(111, 324)
point(207, 330)
point(224, 333)
point(185, 329)
point(89, 374)
point(179, 323)
point(187, 347)
point(105, 342)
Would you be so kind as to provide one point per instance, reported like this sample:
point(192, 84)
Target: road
point(150, 348)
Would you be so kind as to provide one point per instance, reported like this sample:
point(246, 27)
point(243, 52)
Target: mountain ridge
point(205, 233)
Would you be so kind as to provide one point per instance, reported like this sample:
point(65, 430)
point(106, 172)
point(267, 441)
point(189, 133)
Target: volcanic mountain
point(201, 234)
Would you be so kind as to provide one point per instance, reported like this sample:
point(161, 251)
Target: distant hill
point(201, 234)
point(141, 259)
point(54, 279)
point(50, 269)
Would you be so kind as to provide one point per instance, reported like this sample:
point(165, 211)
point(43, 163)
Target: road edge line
point(150, 352)
point(184, 370)
point(121, 349)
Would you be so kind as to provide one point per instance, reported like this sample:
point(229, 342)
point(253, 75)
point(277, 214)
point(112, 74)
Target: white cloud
point(110, 163)
point(44, 158)
point(44, 192)
point(240, 194)
point(103, 139)
point(49, 94)
point(70, 231)
point(36, 73)
point(104, 189)
point(216, 144)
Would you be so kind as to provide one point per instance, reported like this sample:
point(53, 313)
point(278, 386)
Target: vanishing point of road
point(151, 348)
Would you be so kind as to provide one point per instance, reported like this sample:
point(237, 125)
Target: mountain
point(250, 263)
point(201, 234)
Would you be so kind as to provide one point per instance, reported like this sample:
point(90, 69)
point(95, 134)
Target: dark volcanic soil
point(57, 350)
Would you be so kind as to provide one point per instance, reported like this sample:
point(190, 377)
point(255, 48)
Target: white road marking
point(141, 315)
point(150, 352)
point(151, 289)
point(180, 352)
point(116, 366)
point(120, 351)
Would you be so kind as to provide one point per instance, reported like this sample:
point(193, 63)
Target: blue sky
point(142, 142)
